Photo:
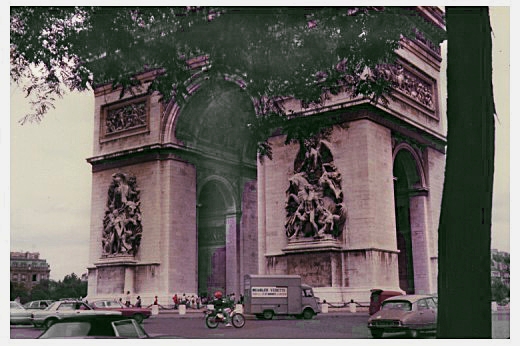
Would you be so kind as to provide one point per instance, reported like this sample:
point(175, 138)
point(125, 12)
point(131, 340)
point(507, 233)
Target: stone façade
point(204, 197)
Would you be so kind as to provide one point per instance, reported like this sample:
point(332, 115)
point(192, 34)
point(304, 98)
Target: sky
point(46, 201)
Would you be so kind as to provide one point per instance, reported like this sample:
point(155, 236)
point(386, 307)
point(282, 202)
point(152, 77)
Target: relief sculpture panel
point(408, 83)
point(127, 117)
point(122, 229)
point(314, 205)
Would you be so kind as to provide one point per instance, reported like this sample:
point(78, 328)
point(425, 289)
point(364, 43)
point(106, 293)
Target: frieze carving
point(419, 36)
point(127, 117)
point(406, 82)
point(314, 206)
point(122, 229)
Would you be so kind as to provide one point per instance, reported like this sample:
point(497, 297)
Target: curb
point(200, 313)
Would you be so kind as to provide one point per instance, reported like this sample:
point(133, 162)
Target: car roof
point(409, 297)
point(105, 300)
point(92, 317)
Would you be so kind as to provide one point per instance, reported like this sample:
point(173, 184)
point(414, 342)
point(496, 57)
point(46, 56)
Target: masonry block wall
point(276, 182)
point(249, 231)
point(105, 97)
point(362, 152)
point(436, 166)
point(181, 228)
point(169, 232)
point(363, 155)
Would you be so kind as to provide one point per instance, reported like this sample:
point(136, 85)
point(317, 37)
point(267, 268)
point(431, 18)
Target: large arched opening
point(408, 185)
point(213, 127)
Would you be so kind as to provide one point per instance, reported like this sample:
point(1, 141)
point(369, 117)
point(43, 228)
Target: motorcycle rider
point(220, 306)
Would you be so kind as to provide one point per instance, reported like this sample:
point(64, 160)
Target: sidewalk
point(195, 313)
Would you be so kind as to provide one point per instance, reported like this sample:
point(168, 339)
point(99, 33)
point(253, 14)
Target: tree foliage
point(272, 52)
point(70, 287)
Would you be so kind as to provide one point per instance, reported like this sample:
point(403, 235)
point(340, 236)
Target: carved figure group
point(411, 85)
point(122, 229)
point(314, 198)
point(126, 117)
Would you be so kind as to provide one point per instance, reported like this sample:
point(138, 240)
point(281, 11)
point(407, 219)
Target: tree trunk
point(464, 282)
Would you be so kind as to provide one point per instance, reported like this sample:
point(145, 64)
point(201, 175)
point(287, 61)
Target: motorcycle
point(213, 318)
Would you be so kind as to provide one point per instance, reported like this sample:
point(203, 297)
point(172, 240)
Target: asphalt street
point(335, 325)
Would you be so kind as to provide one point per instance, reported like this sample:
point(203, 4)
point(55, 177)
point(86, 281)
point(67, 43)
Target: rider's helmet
point(218, 294)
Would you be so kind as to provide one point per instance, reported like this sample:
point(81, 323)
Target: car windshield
point(114, 304)
point(128, 329)
point(15, 305)
point(69, 329)
point(397, 305)
point(52, 306)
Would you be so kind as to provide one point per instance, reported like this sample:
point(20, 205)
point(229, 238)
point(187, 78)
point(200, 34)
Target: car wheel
point(376, 333)
point(268, 314)
point(308, 314)
point(48, 323)
point(138, 318)
point(413, 333)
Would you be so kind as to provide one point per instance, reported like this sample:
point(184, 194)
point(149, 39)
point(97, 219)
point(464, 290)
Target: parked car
point(95, 326)
point(377, 297)
point(38, 304)
point(20, 315)
point(63, 308)
point(138, 314)
point(408, 313)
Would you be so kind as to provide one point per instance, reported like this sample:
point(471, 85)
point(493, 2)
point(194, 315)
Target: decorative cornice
point(341, 249)
point(154, 152)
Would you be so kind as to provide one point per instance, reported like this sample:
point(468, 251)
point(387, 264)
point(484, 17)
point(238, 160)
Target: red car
point(138, 314)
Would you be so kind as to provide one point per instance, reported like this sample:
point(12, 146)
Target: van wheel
point(268, 314)
point(308, 314)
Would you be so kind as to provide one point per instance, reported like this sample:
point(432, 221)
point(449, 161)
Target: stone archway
point(212, 127)
point(410, 194)
point(214, 122)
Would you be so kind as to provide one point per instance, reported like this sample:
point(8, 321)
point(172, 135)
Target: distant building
point(500, 265)
point(28, 268)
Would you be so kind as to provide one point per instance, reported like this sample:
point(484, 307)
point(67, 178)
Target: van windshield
point(307, 292)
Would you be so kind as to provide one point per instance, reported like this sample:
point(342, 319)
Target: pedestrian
point(175, 301)
point(155, 301)
point(138, 302)
point(127, 299)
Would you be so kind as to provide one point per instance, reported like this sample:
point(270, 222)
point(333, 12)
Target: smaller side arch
point(417, 163)
point(223, 187)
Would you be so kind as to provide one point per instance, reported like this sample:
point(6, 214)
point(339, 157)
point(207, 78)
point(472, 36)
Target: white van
point(268, 295)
